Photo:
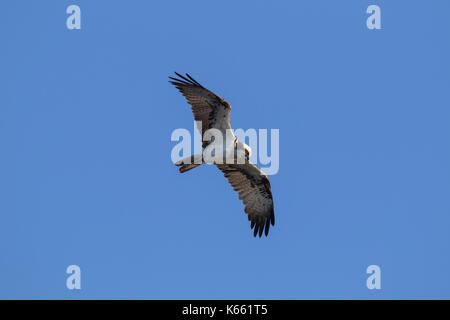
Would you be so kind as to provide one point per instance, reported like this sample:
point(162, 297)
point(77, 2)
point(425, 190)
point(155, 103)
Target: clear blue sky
point(85, 171)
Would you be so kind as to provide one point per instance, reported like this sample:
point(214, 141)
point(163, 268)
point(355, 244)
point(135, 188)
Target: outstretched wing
point(207, 107)
point(254, 190)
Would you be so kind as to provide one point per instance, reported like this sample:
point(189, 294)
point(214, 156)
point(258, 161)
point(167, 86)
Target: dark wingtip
point(261, 225)
point(193, 80)
point(185, 81)
point(179, 75)
point(266, 231)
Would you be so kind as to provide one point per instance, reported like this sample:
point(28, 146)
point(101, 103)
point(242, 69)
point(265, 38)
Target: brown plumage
point(207, 107)
point(254, 190)
point(249, 181)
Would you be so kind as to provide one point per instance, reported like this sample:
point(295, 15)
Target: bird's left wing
point(254, 190)
point(207, 107)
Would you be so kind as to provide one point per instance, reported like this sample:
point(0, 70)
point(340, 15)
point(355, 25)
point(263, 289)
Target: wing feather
point(254, 190)
point(207, 107)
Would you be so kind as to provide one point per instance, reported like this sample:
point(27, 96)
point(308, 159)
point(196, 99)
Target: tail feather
point(187, 167)
point(189, 163)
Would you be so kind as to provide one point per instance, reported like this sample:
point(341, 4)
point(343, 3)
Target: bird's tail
point(189, 163)
point(186, 167)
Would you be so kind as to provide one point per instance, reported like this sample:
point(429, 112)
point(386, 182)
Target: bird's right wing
point(207, 107)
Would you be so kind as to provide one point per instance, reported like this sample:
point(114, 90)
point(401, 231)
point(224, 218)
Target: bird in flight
point(212, 112)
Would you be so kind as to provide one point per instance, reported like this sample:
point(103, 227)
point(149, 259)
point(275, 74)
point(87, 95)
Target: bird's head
point(248, 151)
point(243, 150)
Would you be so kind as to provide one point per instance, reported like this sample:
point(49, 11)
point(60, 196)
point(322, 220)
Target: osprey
point(212, 112)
